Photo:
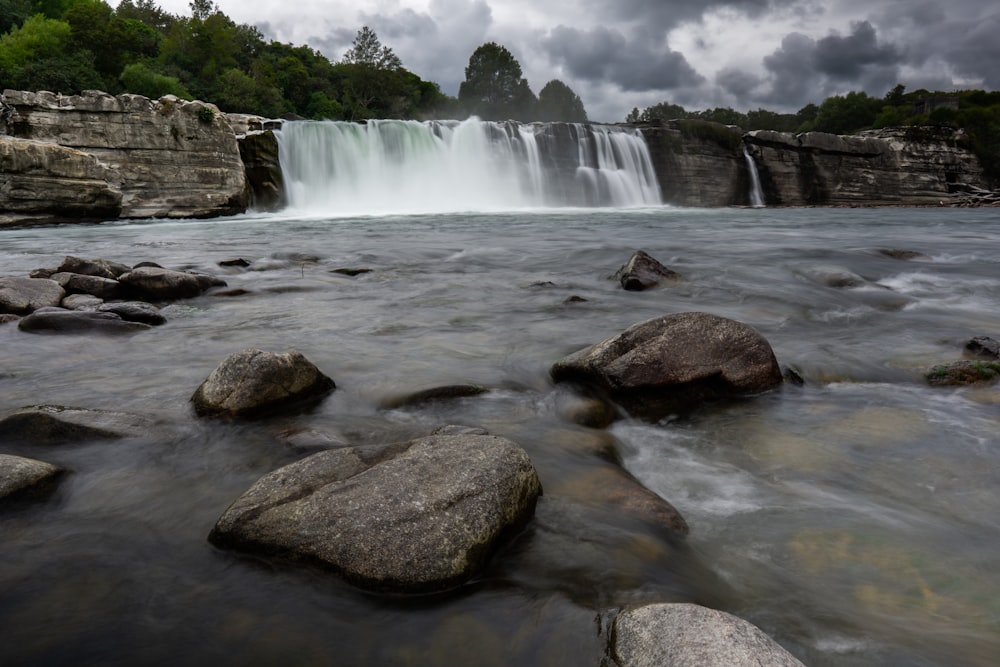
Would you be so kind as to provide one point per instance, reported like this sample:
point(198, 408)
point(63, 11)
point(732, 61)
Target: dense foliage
point(976, 112)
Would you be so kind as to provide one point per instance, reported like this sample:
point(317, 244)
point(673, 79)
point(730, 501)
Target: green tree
point(848, 113)
point(13, 13)
point(139, 79)
point(493, 87)
point(558, 102)
point(367, 50)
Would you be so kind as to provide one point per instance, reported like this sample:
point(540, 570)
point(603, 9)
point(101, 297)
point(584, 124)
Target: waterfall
point(397, 166)
point(756, 193)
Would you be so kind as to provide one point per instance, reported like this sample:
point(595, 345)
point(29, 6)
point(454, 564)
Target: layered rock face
point(158, 158)
point(703, 165)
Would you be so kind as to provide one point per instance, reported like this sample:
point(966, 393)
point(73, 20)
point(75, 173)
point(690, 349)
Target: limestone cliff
point(166, 158)
point(702, 164)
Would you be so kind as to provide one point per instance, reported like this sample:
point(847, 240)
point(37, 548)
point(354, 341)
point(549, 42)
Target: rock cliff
point(703, 164)
point(163, 158)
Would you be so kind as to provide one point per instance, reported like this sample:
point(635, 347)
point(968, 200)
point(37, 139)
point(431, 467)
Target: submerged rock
point(19, 475)
point(983, 347)
point(415, 517)
point(56, 424)
point(20, 296)
point(961, 373)
point(642, 272)
point(443, 393)
point(253, 383)
point(60, 320)
point(673, 362)
point(684, 635)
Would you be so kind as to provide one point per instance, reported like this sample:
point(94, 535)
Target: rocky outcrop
point(672, 363)
point(702, 164)
point(253, 383)
point(682, 635)
point(416, 517)
point(134, 157)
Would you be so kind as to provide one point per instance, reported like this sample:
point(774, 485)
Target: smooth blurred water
point(854, 518)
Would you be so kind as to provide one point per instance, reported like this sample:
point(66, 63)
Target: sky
point(622, 54)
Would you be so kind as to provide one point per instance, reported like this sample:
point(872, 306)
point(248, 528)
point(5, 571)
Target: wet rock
point(642, 272)
point(7, 318)
point(82, 302)
point(983, 347)
point(253, 383)
point(961, 373)
point(21, 296)
point(19, 475)
point(306, 439)
point(444, 393)
point(77, 321)
point(415, 517)
point(586, 410)
point(350, 271)
point(101, 268)
point(77, 283)
point(837, 278)
point(614, 488)
point(159, 284)
point(55, 424)
point(896, 253)
point(575, 299)
point(683, 635)
point(674, 362)
point(135, 311)
point(458, 429)
point(236, 261)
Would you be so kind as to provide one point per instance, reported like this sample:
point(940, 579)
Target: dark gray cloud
point(602, 54)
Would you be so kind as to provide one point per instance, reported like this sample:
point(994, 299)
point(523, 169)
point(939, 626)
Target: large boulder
point(56, 424)
point(19, 475)
point(61, 320)
point(254, 383)
point(159, 284)
point(671, 363)
point(415, 517)
point(642, 272)
point(688, 635)
point(21, 296)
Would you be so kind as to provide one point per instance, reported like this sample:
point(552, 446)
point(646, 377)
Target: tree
point(558, 102)
point(493, 87)
point(368, 50)
point(849, 113)
point(13, 13)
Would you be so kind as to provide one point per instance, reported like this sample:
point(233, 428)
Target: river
point(853, 518)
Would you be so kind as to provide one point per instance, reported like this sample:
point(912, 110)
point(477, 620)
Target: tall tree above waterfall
point(558, 103)
point(494, 88)
point(368, 50)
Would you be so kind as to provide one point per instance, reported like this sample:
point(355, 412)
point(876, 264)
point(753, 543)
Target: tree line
point(69, 46)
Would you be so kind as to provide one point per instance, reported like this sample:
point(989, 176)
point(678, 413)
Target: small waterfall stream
point(395, 166)
point(756, 193)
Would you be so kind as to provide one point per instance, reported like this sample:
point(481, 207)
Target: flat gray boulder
point(253, 383)
point(415, 517)
point(672, 363)
point(20, 475)
point(60, 320)
point(159, 284)
point(56, 424)
point(688, 635)
point(21, 296)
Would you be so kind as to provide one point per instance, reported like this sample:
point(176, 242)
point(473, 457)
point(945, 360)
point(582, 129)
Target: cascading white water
point(756, 193)
point(394, 166)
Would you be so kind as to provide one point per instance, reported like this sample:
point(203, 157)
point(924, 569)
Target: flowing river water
point(854, 518)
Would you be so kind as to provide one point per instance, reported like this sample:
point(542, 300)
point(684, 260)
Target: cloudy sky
point(620, 54)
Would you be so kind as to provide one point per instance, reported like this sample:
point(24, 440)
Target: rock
point(76, 283)
point(101, 268)
point(459, 429)
point(613, 487)
point(253, 383)
point(961, 373)
point(77, 321)
point(159, 284)
point(673, 362)
point(983, 347)
point(169, 157)
point(688, 635)
point(19, 475)
point(259, 152)
point(642, 272)
point(135, 311)
point(41, 181)
point(416, 517)
point(352, 272)
point(81, 302)
point(54, 424)
point(21, 296)
point(896, 253)
point(238, 262)
point(7, 318)
point(306, 439)
point(444, 393)
point(587, 411)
